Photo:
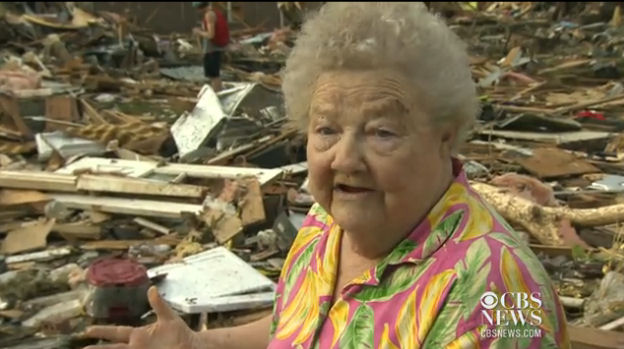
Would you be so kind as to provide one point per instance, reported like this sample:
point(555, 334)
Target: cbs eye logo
point(489, 300)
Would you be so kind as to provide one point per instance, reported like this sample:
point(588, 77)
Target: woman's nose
point(348, 154)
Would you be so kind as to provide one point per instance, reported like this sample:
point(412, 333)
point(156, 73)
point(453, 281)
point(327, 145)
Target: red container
point(118, 290)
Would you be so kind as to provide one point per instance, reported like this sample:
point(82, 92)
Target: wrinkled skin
point(376, 161)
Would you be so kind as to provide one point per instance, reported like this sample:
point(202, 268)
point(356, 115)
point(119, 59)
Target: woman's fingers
point(120, 334)
point(162, 310)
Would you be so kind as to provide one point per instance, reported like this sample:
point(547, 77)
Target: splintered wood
point(553, 162)
point(252, 204)
point(138, 186)
point(27, 238)
point(547, 224)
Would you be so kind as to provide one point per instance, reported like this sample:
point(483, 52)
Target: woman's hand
point(168, 332)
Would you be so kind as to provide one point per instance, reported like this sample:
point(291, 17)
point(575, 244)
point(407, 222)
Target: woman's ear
point(448, 140)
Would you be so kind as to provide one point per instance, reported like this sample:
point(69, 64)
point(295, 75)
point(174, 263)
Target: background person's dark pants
point(212, 64)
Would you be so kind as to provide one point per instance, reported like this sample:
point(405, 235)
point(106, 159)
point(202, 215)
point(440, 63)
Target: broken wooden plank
point(56, 313)
point(203, 171)
point(45, 301)
point(613, 324)
point(552, 251)
point(151, 225)
point(287, 133)
point(62, 108)
point(98, 217)
point(10, 197)
point(43, 21)
point(554, 137)
point(6, 227)
point(22, 266)
point(243, 148)
point(114, 184)
point(546, 223)
point(27, 238)
point(592, 338)
point(39, 256)
point(12, 314)
point(11, 134)
point(78, 230)
point(553, 162)
point(127, 206)
point(126, 244)
point(6, 214)
point(252, 204)
point(91, 113)
point(12, 109)
point(32, 93)
point(570, 302)
point(136, 169)
point(583, 105)
point(37, 180)
point(298, 168)
point(224, 226)
point(565, 65)
point(94, 165)
point(521, 109)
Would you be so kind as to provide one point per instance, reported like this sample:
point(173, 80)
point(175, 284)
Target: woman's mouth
point(348, 189)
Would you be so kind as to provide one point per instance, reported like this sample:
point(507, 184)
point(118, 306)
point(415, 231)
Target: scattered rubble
point(113, 147)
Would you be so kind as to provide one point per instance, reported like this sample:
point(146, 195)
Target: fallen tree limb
point(549, 225)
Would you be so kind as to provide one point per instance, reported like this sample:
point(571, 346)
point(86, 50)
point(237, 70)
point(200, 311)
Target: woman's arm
point(252, 335)
point(170, 331)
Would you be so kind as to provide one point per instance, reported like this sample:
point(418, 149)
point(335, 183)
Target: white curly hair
point(405, 37)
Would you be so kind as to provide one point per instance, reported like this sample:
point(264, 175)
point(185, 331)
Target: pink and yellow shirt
point(429, 292)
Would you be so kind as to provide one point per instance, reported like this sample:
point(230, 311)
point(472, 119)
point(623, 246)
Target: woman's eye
point(325, 131)
point(384, 133)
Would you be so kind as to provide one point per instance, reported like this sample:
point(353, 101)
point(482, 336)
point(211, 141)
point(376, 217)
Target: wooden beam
point(114, 184)
point(126, 244)
point(592, 338)
point(13, 213)
point(550, 137)
point(78, 230)
point(222, 157)
point(224, 226)
point(91, 113)
point(12, 197)
point(151, 225)
point(127, 206)
point(37, 181)
point(63, 108)
point(28, 238)
point(202, 171)
point(252, 204)
point(134, 168)
point(11, 107)
point(545, 223)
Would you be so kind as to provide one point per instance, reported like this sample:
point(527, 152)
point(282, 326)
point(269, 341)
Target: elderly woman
point(398, 251)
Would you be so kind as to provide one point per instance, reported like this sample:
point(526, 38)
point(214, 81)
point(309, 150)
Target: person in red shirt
point(215, 38)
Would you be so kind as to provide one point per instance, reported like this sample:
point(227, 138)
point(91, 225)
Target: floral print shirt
point(438, 288)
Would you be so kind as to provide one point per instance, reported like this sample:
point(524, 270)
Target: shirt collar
point(429, 235)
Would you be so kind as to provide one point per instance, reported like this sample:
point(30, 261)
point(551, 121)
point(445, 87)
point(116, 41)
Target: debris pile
point(115, 151)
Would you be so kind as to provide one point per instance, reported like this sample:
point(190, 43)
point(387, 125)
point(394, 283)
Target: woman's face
point(375, 160)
